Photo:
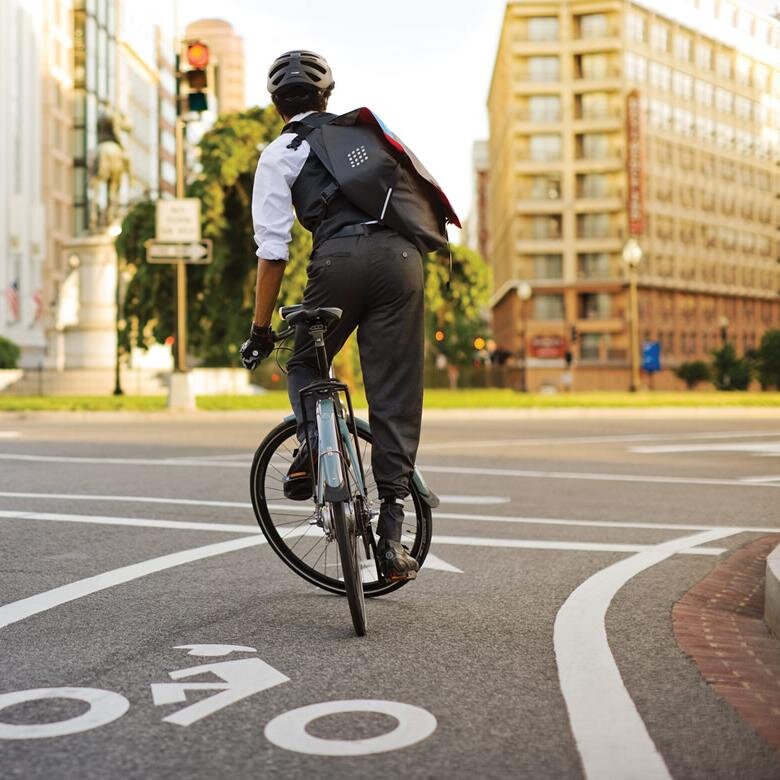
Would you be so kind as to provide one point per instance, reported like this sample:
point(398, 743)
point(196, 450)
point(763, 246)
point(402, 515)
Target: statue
point(109, 166)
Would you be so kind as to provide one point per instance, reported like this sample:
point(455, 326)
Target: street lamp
point(524, 293)
point(632, 257)
point(724, 329)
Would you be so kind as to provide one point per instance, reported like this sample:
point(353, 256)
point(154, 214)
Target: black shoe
point(298, 484)
point(395, 560)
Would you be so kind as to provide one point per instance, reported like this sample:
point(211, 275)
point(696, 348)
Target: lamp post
point(524, 293)
point(115, 231)
point(724, 329)
point(632, 257)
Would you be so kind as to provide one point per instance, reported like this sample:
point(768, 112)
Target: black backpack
point(379, 174)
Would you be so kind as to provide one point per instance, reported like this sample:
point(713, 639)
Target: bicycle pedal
point(412, 575)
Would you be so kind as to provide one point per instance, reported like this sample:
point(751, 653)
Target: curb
point(772, 592)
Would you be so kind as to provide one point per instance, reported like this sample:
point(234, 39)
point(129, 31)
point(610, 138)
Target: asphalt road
point(540, 647)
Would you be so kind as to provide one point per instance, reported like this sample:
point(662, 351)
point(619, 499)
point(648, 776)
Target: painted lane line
point(773, 478)
point(757, 448)
point(537, 544)
point(41, 602)
point(478, 500)
point(183, 462)
point(591, 476)
point(294, 509)
point(433, 561)
point(610, 735)
point(9, 434)
point(616, 439)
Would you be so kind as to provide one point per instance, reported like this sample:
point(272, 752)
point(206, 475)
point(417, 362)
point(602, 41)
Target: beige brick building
point(707, 78)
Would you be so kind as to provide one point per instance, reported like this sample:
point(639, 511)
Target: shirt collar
point(298, 117)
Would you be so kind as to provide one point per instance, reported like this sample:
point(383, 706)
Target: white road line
point(773, 478)
point(121, 461)
point(610, 735)
point(293, 509)
point(591, 476)
point(33, 605)
point(769, 448)
point(519, 441)
point(472, 541)
point(537, 544)
point(9, 434)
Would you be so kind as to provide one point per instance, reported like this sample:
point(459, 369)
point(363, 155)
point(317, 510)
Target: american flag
point(37, 299)
point(12, 299)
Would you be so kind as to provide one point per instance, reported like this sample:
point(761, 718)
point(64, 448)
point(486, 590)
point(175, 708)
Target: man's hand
point(257, 347)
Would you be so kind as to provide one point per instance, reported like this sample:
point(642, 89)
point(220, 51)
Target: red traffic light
point(197, 54)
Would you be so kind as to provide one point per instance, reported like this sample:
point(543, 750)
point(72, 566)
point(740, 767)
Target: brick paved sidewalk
point(719, 624)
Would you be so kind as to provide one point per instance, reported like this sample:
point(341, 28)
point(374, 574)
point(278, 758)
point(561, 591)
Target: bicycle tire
point(347, 540)
point(266, 488)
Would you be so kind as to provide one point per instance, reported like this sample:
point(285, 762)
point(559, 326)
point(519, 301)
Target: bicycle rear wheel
point(288, 525)
point(349, 549)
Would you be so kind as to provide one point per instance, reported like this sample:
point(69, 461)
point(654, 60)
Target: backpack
point(379, 174)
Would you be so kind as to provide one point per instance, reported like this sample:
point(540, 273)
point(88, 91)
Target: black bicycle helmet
point(300, 69)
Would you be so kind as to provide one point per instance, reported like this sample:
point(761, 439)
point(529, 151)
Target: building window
point(545, 147)
point(546, 187)
point(659, 37)
point(593, 226)
point(724, 100)
point(594, 66)
point(723, 65)
point(544, 68)
point(545, 227)
point(637, 30)
point(593, 146)
point(682, 47)
point(743, 71)
point(682, 85)
point(548, 307)
point(660, 76)
point(544, 108)
point(593, 26)
point(593, 265)
point(705, 93)
point(543, 28)
point(594, 105)
point(548, 266)
point(590, 346)
point(592, 185)
point(704, 56)
point(595, 306)
point(636, 67)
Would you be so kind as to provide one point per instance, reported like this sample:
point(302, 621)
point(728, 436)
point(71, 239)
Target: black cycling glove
point(257, 347)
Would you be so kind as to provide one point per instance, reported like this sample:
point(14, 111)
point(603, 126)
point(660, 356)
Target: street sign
point(193, 252)
point(651, 356)
point(178, 220)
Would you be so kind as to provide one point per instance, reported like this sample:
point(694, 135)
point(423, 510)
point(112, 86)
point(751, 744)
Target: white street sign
point(178, 220)
point(194, 252)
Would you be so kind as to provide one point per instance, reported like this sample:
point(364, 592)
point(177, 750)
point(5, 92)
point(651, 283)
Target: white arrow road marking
point(434, 562)
point(611, 737)
point(25, 608)
point(214, 651)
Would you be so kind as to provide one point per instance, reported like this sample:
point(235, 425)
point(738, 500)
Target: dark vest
point(319, 204)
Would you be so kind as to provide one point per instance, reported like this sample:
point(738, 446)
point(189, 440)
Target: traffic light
point(193, 78)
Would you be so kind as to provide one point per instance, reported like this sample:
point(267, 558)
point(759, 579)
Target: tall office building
point(227, 52)
point(611, 119)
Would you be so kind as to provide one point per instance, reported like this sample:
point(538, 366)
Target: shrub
point(729, 371)
point(693, 372)
point(768, 359)
point(9, 353)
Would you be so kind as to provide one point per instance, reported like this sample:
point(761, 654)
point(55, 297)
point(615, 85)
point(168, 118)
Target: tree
point(693, 372)
point(768, 359)
point(729, 371)
point(457, 314)
point(220, 296)
point(9, 353)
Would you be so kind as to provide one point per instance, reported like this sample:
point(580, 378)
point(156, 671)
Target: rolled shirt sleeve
point(272, 206)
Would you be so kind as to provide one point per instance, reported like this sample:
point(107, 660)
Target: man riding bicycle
point(359, 265)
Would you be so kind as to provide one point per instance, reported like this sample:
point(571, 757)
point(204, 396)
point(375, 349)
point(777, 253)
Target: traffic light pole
point(181, 268)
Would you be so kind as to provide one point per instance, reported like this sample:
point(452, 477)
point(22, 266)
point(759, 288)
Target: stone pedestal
point(90, 341)
point(180, 395)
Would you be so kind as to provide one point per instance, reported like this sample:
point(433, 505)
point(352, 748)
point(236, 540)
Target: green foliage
point(693, 372)
point(9, 353)
point(460, 311)
point(220, 296)
point(729, 371)
point(768, 359)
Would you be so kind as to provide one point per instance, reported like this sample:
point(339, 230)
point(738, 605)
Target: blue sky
point(423, 65)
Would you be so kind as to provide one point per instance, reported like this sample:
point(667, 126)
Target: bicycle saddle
point(297, 315)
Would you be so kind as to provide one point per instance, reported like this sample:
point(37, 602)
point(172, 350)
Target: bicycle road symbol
point(238, 679)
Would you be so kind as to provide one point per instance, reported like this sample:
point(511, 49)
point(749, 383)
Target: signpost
point(178, 220)
point(192, 253)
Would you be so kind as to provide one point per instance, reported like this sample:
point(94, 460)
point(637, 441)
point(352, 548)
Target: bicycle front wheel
point(289, 526)
point(350, 551)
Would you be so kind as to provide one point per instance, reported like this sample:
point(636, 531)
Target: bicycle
point(345, 498)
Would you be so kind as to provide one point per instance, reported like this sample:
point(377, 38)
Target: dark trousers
point(377, 280)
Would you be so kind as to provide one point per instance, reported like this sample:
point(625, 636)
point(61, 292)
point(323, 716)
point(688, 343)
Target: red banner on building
point(635, 165)
point(547, 347)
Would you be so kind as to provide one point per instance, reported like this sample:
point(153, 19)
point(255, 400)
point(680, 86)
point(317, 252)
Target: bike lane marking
point(432, 561)
point(610, 735)
point(41, 602)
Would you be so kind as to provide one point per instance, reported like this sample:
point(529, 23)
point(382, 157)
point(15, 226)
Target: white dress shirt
point(272, 207)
